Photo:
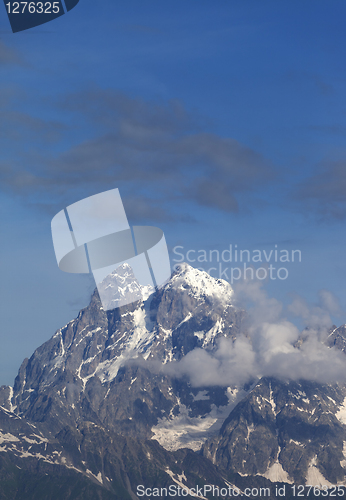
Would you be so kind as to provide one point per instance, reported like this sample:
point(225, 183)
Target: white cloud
point(271, 345)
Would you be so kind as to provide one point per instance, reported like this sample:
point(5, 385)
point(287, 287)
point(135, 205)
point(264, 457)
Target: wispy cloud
point(158, 153)
point(9, 55)
point(158, 150)
point(314, 80)
point(323, 193)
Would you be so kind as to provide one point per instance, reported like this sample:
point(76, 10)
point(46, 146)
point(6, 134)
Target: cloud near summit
point(272, 345)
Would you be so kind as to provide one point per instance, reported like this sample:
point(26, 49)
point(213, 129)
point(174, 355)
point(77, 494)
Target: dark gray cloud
point(138, 208)
point(9, 55)
point(159, 151)
point(21, 130)
point(336, 129)
point(312, 79)
point(16, 126)
point(324, 192)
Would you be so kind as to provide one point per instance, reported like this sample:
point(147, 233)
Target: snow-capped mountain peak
point(105, 378)
point(191, 310)
point(200, 283)
point(121, 287)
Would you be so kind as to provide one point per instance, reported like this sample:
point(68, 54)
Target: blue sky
point(220, 122)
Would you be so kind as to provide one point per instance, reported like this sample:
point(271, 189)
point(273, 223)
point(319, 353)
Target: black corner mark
point(24, 15)
point(70, 4)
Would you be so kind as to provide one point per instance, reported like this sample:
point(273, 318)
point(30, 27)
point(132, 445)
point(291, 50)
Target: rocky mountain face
point(82, 372)
point(93, 406)
point(289, 432)
point(337, 338)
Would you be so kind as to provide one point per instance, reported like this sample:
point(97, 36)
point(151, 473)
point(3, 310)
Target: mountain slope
point(83, 371)
point(284, 432)
point(96, 403)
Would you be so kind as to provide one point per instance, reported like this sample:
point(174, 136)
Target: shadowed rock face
point(337, 338)
point(93, 402)
point(286, 426)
